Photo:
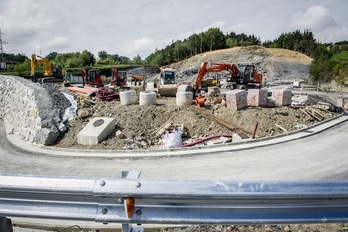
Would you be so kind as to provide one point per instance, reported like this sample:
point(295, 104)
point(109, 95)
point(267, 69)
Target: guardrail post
point(5, 225)
point(127, 227)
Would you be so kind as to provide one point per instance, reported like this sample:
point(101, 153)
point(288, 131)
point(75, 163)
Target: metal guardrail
point(132, 200)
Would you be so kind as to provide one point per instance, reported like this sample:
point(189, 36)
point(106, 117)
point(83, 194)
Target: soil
point(139, 124)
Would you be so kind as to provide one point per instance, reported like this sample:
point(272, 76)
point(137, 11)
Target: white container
point(147, 98)
point(128, 97)
point(184, 98)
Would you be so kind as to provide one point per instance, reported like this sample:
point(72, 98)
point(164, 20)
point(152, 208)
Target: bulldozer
point(166, 85)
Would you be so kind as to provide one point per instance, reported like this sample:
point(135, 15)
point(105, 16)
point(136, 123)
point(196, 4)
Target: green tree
point(87, 58)
point(52, 56)
point(102, 55)
point(137, 59)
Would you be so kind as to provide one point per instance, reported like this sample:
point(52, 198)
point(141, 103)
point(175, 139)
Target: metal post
point(5, 225)
point(131, 175)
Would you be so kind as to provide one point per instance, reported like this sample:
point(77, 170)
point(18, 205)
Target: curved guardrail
point(132, 200)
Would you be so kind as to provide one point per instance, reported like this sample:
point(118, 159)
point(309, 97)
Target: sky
point(137, 27)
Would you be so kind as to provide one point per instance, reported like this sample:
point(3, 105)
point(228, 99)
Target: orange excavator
point(242, 76)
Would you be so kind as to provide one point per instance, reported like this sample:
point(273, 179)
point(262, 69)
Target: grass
point(341, 57)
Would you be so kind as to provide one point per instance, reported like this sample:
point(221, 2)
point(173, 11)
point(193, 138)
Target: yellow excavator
point(51, 73)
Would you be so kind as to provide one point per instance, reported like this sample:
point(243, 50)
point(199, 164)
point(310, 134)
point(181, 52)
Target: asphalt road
point(319, 157)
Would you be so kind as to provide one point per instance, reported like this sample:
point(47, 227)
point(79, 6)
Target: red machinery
point(242, 76)
point(91, 77)
point(118, 78)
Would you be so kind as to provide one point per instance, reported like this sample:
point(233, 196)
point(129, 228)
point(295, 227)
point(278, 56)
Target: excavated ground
point(139, 124)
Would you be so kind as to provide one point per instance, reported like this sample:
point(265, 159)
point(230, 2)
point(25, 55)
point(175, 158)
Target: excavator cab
point(122, 78)
point(245, 73)
point(94, 77)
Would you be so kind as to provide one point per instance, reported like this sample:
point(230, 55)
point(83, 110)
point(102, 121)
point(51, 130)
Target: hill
point(274, 63)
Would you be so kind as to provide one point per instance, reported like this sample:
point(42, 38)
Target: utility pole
point(1, 49)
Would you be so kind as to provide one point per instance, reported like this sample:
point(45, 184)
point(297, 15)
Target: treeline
point(20, 58)
point(212, 39)
point(330, 59)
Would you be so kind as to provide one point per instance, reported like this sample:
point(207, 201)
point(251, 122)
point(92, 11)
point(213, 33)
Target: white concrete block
point(96, 131)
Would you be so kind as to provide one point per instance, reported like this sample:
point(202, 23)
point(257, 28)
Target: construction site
point(220, 100)
point(220, 97)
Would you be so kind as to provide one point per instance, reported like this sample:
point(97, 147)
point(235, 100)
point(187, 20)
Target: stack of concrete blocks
point(257, 97)
point(236, 99)
point(282, 97)
point(29, 109)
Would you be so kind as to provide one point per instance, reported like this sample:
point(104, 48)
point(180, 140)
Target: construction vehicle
point(118, 78)
point(166, 85)
point(242, 76)
point(51, 73)
point(247, 77)
point(91, 77)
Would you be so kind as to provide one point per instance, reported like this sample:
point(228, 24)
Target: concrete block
point(120, 135)
point(236, 99)
point(282, 97)
point(257, 97)
point(96, 131)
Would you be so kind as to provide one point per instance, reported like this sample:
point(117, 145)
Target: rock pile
point(35, 112)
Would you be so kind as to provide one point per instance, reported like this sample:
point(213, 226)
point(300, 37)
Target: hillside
point(274, 63)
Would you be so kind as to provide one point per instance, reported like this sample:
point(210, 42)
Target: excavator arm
point(213, 67)
point(48, 67)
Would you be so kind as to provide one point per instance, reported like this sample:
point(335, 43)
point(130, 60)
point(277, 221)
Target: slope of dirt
point(274, 63)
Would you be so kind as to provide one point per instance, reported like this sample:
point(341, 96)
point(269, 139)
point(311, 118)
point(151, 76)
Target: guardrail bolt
point(104, 211)
point(138, 184)
point(102, 183)
point(138, 212)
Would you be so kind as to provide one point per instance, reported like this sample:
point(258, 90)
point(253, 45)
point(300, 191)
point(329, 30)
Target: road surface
point(322, 156)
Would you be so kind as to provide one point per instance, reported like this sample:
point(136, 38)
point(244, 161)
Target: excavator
point(118, 78)
point(51, 73)
point(166, 85)
point(242, 76)
point(91, 77)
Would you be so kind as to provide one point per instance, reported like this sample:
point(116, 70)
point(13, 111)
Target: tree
point(87, 58)
point(52, 56)
point(102, 55)
point(137, 59)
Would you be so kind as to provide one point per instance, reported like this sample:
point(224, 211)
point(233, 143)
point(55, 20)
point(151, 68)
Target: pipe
point(205, 139)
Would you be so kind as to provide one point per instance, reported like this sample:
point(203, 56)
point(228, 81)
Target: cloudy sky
point(131, 27)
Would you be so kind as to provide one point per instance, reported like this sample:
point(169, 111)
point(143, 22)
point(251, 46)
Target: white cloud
point(316, 18)
point(319, 20)
point(140, 46)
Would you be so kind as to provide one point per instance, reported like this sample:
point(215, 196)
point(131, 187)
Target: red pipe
point(205, 139)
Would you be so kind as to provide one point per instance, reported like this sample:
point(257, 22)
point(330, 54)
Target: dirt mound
point(274, 63)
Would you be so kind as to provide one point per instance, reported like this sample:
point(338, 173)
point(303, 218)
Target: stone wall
point(30, 109)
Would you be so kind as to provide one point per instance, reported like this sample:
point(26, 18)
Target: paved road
point(318, 157)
